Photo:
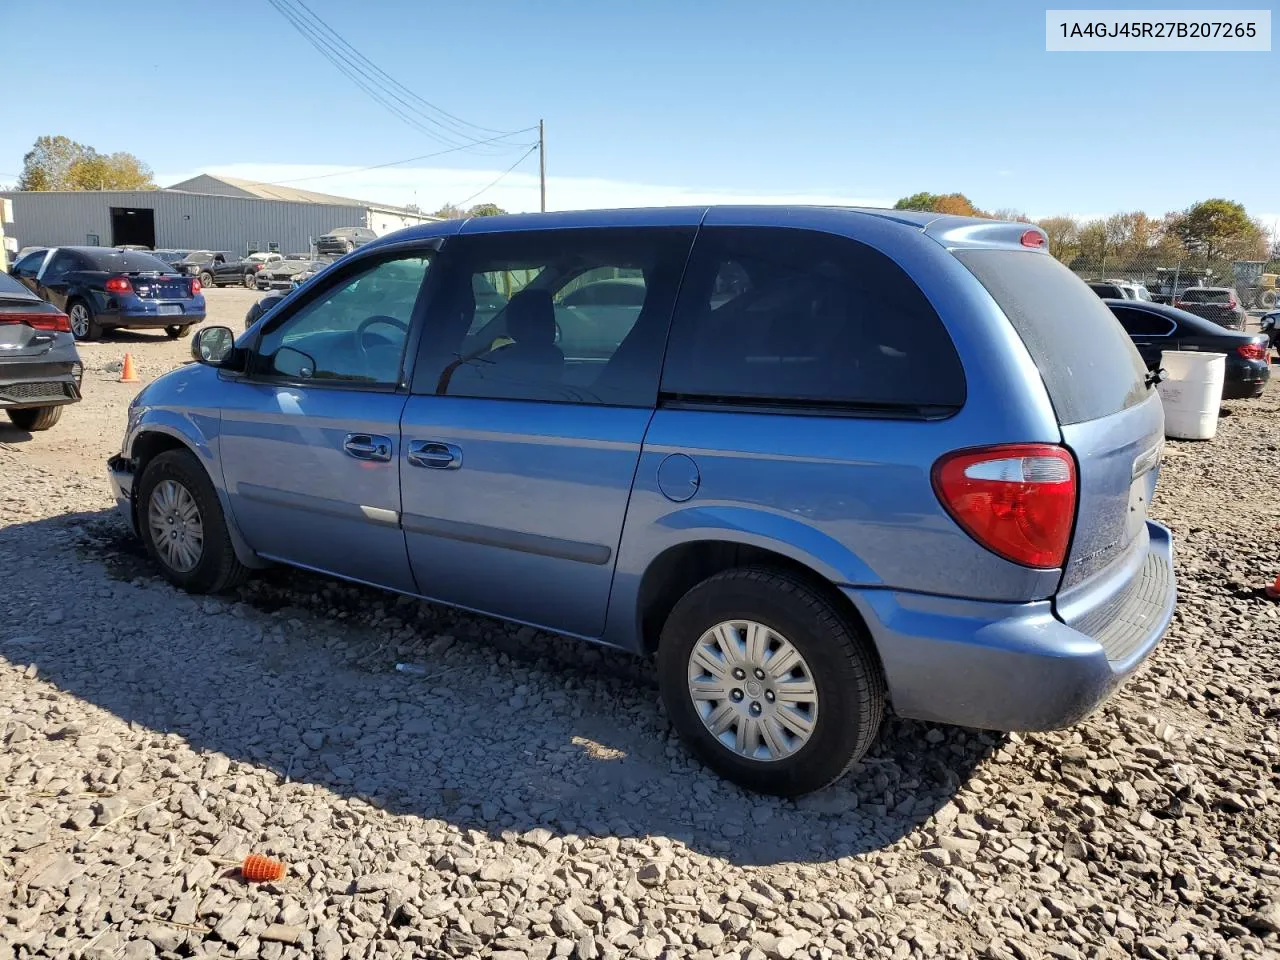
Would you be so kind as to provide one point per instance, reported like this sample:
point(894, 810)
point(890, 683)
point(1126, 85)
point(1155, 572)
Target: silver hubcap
point(79, 320)
point(176, 527)
point(753, 690)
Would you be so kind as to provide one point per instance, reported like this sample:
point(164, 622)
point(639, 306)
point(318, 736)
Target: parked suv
point(835, 458)
point(342, 240)
point(1222, 305)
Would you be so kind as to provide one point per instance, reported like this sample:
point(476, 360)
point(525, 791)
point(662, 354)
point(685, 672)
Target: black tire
point(206, 279)
point(218, 567)
point(178, 331)
point(34, 419)
point(845, 672)
point(1267, 299)
point(81, 315)
point(251, 281)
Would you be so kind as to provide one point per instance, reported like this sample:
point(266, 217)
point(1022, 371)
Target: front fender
point(195, 429)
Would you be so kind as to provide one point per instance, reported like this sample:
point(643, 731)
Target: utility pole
point(542, 164)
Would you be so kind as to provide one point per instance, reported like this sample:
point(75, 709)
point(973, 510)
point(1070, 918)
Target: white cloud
point(432, 187)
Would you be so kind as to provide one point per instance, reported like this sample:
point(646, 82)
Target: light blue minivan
point(819, 461)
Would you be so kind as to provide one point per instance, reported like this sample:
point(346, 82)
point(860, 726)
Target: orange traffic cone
point(1273, 591)
point(127, 373)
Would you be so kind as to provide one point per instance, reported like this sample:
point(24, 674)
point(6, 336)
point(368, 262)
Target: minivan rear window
point(1089, 365)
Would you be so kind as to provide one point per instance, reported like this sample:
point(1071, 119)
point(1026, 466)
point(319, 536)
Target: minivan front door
point(527, 417)
point(311, 434)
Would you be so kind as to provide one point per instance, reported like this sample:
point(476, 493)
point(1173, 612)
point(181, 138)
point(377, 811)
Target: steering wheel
point(371, 321)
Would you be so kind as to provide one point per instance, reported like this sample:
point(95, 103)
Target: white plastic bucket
point(1192, 394)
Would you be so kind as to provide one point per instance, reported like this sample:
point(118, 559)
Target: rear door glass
point(1089, 365)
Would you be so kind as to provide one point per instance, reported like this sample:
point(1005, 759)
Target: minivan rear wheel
point(768, 682)
point(182, 526)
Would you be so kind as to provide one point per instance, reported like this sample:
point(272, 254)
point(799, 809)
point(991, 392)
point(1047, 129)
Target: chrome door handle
point(367, 446)
point(434, 454)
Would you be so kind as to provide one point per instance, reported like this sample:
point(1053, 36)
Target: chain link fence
point(1164, 278)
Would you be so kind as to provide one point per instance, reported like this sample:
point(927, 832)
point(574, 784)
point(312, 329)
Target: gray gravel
point(527, 799)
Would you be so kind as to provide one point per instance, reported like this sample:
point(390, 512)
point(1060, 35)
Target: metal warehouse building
point(203, 213)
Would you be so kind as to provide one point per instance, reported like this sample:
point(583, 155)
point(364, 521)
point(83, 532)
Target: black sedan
point(1156, 328)
point(40, 370)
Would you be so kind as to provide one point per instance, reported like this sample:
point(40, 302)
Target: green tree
point(917, 201)
point(951, 203)
point(1219, 229)
point(486, 210)
point(449, 212)
point(60, 163)
point(1064, 237)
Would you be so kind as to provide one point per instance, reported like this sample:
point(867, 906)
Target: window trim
point(309, 293)
point(1173, 326)
point(426, 383)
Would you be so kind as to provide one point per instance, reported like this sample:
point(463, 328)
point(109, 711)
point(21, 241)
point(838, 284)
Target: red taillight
point(1252, 351)
point(57, 322)
point(1180, 303)
point(1033, 238)
point(195, 287)
point(119, 285)
point(1232, 303)
point(1017, 500)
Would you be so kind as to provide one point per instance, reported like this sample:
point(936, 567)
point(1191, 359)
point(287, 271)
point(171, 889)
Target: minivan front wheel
point(182, 525)
point(768, 683)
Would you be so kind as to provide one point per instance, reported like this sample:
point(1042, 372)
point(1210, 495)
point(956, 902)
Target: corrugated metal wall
point(184, 221)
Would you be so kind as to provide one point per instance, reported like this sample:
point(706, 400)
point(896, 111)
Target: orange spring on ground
point(259, 869)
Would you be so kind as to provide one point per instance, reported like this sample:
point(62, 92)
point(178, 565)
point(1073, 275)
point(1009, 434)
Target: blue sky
point(656, 102)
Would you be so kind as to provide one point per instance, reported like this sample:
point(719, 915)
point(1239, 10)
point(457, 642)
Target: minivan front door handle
point(434, 455)
point(367, 446)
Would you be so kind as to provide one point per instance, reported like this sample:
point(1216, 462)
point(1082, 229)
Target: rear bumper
point(37, 385)
point(1017, 666)
point(132, 311)
point(1245, 378)
point(120, 473)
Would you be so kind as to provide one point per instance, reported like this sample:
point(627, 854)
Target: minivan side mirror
point(213, 346)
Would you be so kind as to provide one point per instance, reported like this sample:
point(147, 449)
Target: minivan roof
point(950, 231)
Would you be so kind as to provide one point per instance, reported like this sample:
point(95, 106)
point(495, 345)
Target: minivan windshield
point(1089, 365)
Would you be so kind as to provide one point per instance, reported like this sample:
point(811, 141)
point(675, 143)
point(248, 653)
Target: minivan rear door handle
point(367, 446)
point(434, 454)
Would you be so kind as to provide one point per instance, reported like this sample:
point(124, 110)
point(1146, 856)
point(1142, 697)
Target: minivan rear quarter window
point(1089, 365)
point(795, 318)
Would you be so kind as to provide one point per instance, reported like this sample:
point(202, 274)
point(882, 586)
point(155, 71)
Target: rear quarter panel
point(849, 497)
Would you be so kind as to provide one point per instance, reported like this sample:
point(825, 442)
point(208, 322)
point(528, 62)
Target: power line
point(387, 77)
point(379, 86)
point(500, 176)
point(391, 163)
point(361, 77)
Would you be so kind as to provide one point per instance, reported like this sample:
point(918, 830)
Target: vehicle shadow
point(133, 335)
point(11, 434)
point(507, 730)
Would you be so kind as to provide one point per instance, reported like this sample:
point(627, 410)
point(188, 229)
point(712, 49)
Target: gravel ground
point(526, 797)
